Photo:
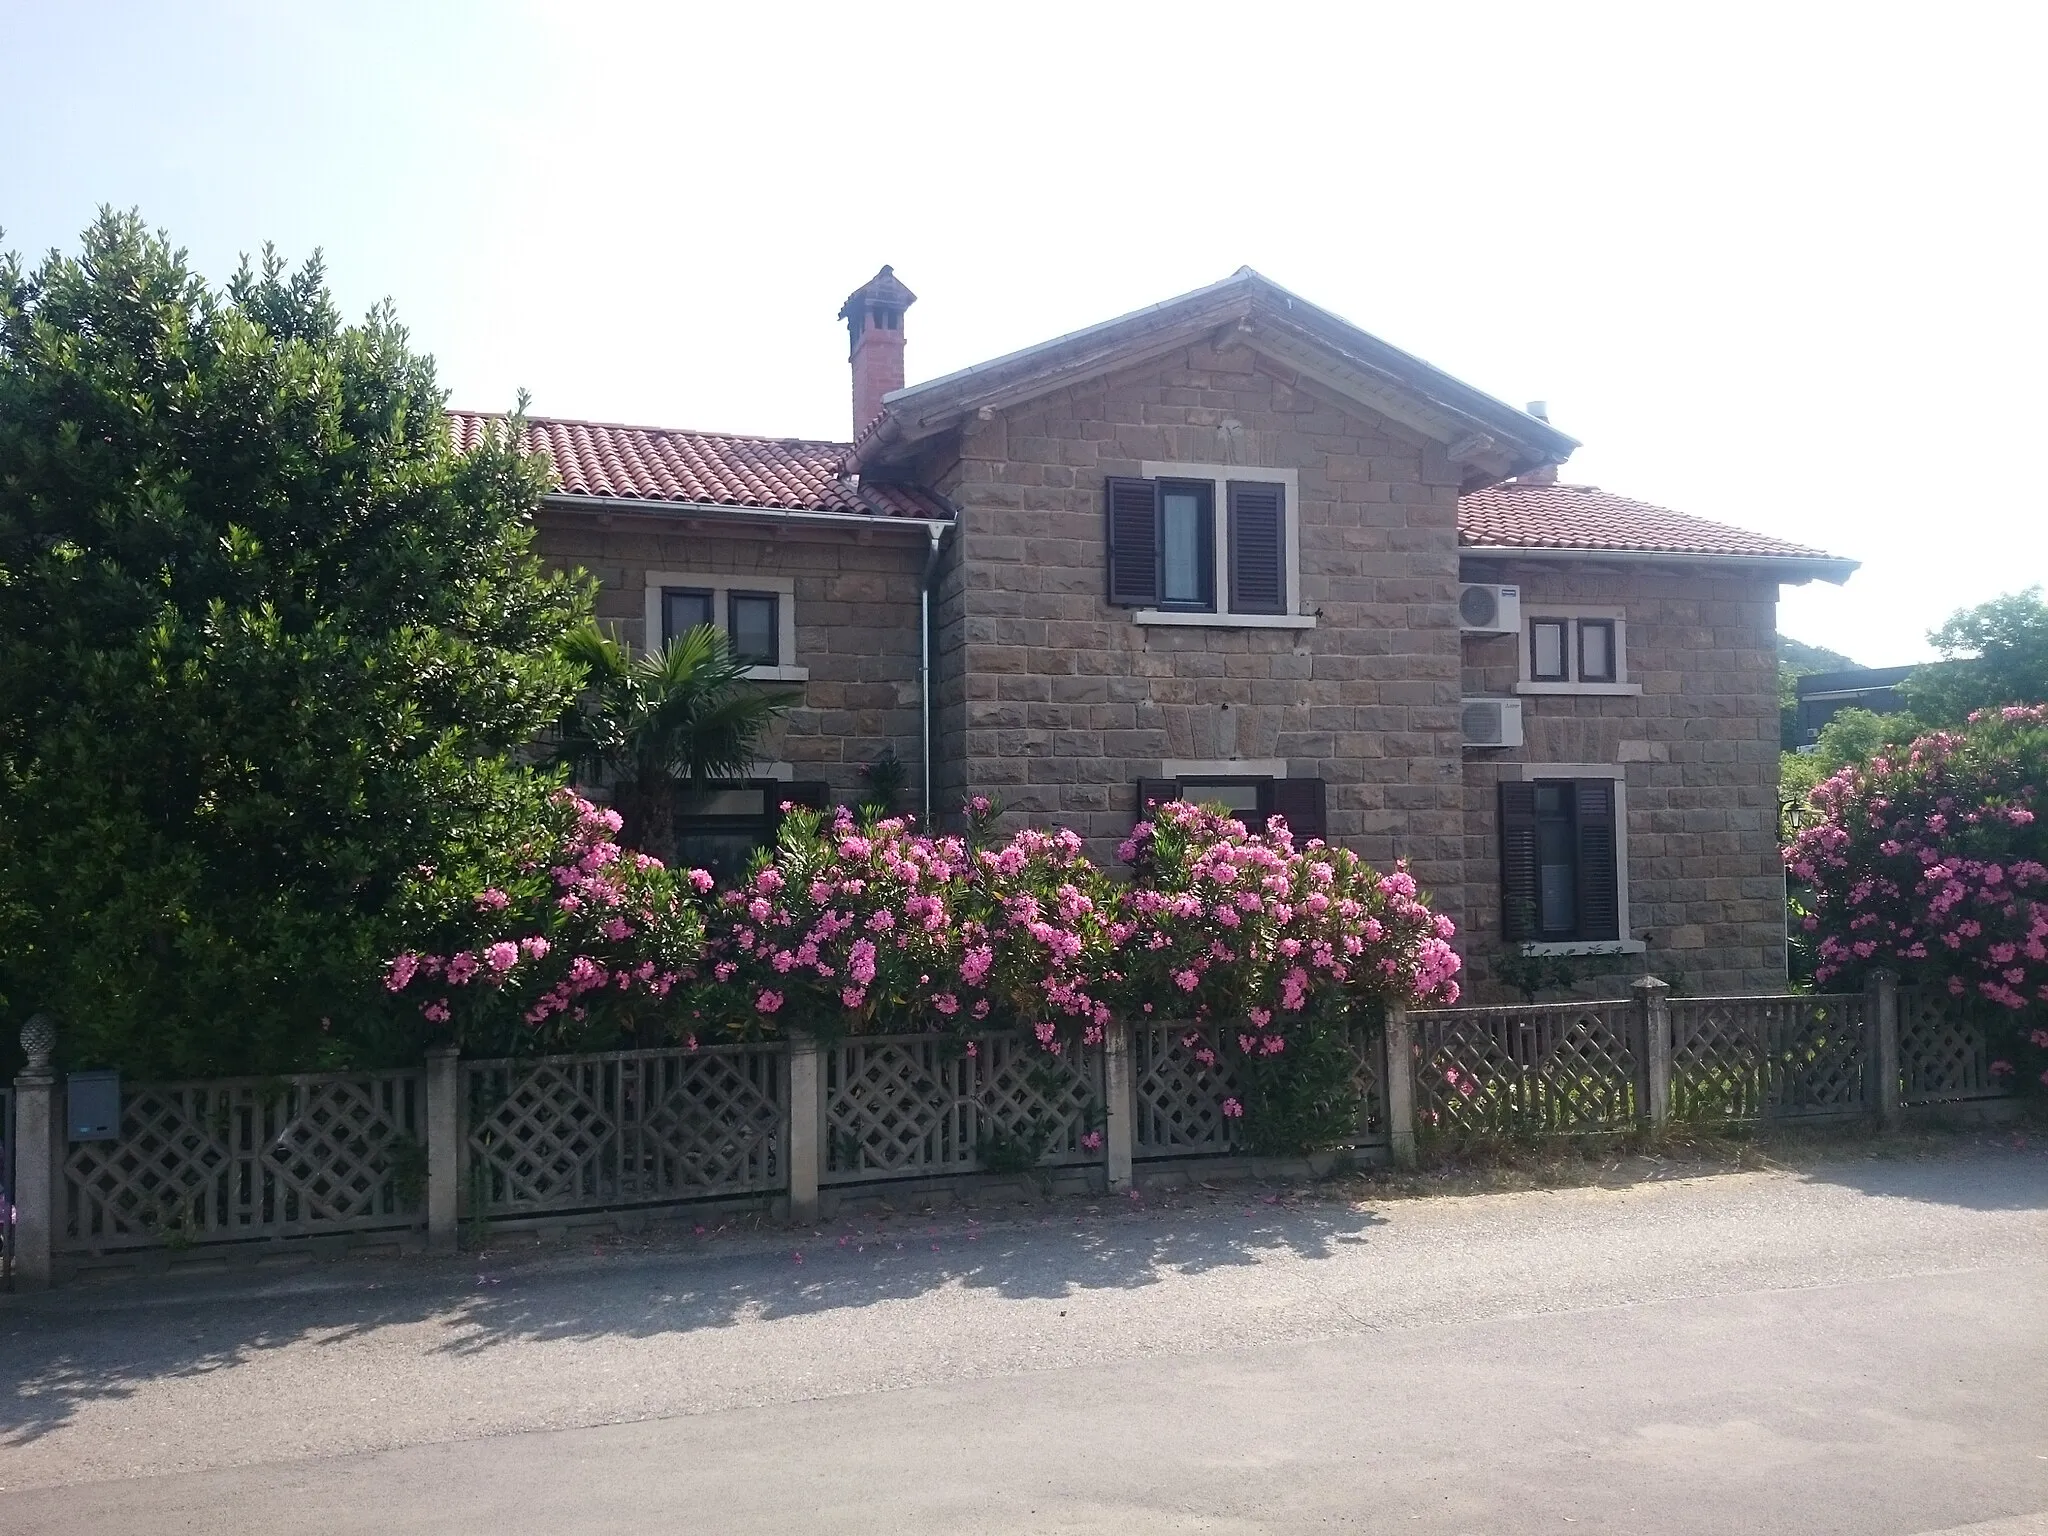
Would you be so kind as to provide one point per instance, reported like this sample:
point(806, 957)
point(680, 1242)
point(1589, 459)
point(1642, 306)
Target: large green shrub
point(265, 642)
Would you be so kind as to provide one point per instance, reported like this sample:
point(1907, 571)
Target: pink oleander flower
point(493, 900)
point(1232, 1110)
point(502, 956)
point(767, 1002)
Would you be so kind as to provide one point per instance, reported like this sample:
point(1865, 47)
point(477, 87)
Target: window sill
point(778, 674)
point(1225, 620)
point(1586, 947)
point(1595, 690)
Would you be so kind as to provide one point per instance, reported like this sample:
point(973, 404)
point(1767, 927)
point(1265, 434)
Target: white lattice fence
point(1745, 1058)
point(915, 1106)
point(249, 1158)
point(1943, 1053)
point(622, 1128)
point(1180, 1076)
point(1542, 1067)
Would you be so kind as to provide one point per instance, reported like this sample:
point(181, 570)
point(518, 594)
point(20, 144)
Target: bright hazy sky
point(1778, 265)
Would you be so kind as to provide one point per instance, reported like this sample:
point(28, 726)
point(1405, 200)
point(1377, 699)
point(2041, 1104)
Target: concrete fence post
point(1653, 1032)
point(444, 1147)
point(1119, 1107)
point(1884, 1056)
point(806, 1127)
point(36, 1157)
point(1400, 1084)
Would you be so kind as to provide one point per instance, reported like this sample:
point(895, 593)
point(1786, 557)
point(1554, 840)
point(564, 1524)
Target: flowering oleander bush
point(1223, 922)
point(855, 926)
point(1281, 945)
point(561, 940)
point(852, 926)
point(1933, 862)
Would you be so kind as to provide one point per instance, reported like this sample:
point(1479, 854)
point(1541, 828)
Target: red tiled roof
point(1530, 516)
point(593, 458)
point(654, 464)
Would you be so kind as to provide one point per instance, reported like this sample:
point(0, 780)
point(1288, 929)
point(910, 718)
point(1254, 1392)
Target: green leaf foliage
point(657, 720)
point(1993, 654)
point(267, 644)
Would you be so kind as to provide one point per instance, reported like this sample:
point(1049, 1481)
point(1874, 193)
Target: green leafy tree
point(658, 720)
point(1993, 654)
point(266, 644)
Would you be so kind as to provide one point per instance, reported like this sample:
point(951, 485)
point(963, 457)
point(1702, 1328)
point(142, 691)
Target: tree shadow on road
point(105, 1341)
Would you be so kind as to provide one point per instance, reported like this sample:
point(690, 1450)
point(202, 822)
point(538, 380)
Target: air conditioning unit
point(1484, 610)
point(1493, 722)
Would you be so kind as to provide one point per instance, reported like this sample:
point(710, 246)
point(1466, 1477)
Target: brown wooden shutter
point(1133, 521)
point(1518, 875)
point(1258, 548)
point(1599, 870)
point(1160, 790)
point(1302, 802)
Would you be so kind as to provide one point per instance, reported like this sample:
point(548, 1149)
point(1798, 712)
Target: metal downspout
point(924, 656)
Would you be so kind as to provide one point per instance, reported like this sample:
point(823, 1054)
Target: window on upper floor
point(1204, 544)
point(755, 613)
point(1574, 650)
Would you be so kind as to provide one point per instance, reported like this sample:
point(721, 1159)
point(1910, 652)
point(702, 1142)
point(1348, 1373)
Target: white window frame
point(1536, 773)
point(720, 586)
point(1534, 612)
point(1220, 476)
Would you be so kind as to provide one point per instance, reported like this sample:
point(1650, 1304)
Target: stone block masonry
point(856, 609)
point(1060, 702)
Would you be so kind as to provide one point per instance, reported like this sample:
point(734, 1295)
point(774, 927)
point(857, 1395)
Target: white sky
point(1779, 265)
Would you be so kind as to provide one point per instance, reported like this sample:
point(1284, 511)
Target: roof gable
point(1488, 438)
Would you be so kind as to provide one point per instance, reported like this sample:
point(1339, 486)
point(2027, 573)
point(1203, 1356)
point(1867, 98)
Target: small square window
point(1596, 650)
point(755, 622)
point(684, 609)
point(1548, 658)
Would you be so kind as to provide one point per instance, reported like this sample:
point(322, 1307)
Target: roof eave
point(758, 515)
point(1793, 570)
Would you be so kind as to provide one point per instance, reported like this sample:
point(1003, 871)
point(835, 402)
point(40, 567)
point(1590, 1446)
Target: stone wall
point(1699, 751)
point(856, 610)
point(1064, 703)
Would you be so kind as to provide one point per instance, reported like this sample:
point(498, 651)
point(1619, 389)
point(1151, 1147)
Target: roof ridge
point(636, 426)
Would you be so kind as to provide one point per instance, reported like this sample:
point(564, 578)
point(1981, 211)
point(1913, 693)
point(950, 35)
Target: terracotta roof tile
point(1531, 516)
point(653, 464)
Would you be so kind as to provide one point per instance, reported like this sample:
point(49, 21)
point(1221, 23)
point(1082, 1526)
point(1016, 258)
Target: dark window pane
point(1546, 650)
point(1557, 868)
point(682, 610)
point(1596, 651)
point(756, 630)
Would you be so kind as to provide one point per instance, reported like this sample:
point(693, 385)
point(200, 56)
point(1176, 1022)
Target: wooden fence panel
point(242, 1158)
point(557, 1134)
point(918, 1106)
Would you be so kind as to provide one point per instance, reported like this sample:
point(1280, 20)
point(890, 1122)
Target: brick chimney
point(873, 314)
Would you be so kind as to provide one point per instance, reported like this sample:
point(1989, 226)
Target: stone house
point(1231, 546)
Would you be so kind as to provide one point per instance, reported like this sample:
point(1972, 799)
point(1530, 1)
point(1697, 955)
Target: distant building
point(1823, 694)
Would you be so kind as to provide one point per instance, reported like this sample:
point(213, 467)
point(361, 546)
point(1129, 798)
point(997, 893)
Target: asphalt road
point(1855, 1349)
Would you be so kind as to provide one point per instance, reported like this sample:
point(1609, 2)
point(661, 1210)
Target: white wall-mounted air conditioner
point(1493, 722)
point(1485, 610)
